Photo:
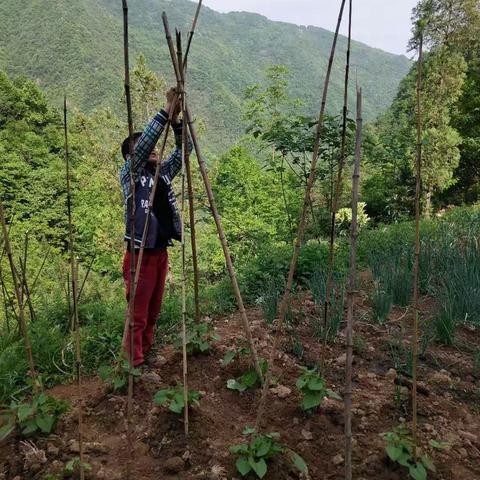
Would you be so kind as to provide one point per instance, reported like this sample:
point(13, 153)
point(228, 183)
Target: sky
point(383, 24)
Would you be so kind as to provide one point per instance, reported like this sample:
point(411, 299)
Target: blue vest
point(157, 227)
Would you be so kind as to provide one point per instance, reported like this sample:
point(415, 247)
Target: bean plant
point(313, 388)
point(255, 452)
point(41, 414)
point(173, 398)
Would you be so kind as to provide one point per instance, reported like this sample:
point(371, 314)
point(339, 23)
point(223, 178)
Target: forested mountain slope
point(77, 47)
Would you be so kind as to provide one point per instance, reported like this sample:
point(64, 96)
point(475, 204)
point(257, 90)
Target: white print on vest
point(143, 181)
point(145, 204)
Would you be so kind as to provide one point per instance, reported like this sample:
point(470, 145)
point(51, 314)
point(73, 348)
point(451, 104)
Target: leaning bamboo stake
point(20, 305)
point(337, 193)
point(73, 273)
point(213, 207)
point(131, 218)
point(184, 274)
point(351, 291)
point(37, 276)
point(303, 217)
point(416, 269)
point(183, 63)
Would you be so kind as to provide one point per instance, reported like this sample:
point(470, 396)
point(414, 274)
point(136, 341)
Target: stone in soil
point(174, 465)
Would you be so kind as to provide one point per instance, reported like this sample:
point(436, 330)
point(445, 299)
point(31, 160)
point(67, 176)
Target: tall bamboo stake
point(338, 190)
point(131, 219)
point(186, 155)
point(303, 216)
point(351, 291)
point(18, 295)
point(73, 273)
point(180, 89)
point(416, 269)
point(213, 207)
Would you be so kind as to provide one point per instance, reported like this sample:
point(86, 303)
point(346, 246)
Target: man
point(164, 225)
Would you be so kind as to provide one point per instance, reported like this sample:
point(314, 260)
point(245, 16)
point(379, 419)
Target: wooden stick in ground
point(225, 247)
point(23, 269)
point(8, 301)
point(18, 295)
point(131, 219)
point(26, 291)
point(351, 291)
point(184, 272)
point(213, 208)
point(416, 268)
point(73, 273)
point(188, 171)
point(301, 226)
point(337, 194)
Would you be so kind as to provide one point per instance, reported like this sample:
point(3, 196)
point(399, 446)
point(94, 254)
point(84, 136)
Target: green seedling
point(253, 455)
point(200, 337)
point(39, 415)
point(73, 466)
point(230, 355)
point(116, 375)
point(313, 388)
point(173, 398)
point(249, 379)
point(399, 448)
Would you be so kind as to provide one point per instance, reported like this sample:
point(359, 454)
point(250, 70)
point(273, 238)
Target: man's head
point(126, 144)
point(126, 148)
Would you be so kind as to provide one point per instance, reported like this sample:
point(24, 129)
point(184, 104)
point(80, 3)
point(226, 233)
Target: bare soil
point(450, 412)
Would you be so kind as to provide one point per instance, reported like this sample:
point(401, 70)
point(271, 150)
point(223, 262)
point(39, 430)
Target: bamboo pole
point(337, 193)
point(180, 90)
point(131, 218)
point(183, 64)
point(18, 295)
point(351, 291)
point(25, 289)
point(73, 273)
point(301, 226)
point(37, 276)
point(416, 269)
point(186, 156)
point(213, 207)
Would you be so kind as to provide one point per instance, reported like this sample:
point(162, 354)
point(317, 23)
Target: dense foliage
point(449, 100)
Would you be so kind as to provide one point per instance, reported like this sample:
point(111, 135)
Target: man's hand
point(170, 95)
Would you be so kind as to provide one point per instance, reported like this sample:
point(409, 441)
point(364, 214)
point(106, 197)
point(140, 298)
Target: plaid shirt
point(145, 145)
point(168, 168)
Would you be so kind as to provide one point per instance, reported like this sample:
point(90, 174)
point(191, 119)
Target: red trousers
point(148, 299)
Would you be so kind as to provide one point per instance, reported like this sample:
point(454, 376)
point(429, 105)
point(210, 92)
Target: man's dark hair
point(126, 144)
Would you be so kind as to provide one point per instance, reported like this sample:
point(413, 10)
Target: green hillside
point(77, 46)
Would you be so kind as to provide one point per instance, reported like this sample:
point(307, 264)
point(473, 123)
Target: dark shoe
point(154, 360)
